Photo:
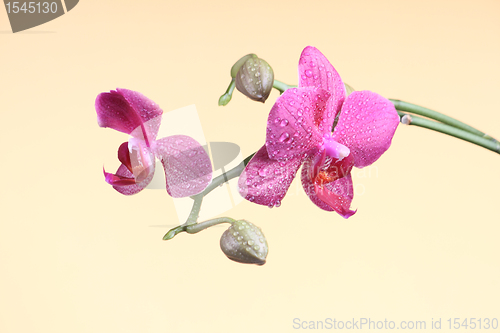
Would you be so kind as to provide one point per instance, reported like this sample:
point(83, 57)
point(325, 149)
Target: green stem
point(281, 86)
point(412, 108)
point(195, 211)
point(408, 119)
point(226, 97)
point(192, 229)
point(219, 180)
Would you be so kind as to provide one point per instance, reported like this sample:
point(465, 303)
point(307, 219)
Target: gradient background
point(76, 256)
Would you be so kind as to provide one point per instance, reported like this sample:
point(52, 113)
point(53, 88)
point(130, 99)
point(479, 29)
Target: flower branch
point(443, 124)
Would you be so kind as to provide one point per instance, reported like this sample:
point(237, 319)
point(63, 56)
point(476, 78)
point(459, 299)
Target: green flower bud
point(255, 78)
point(236, 67)
point(245, 243)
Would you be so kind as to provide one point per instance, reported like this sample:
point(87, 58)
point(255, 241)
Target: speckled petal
point(335, 196)
point(316, 71)
point(291, 131)
point(131, 189)
point(366, 126)
point(129, 112)
point(265, 181)
point(188, 170)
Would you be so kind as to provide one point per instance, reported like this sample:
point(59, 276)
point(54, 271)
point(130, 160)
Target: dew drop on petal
point(284, 122)
point(309, 73)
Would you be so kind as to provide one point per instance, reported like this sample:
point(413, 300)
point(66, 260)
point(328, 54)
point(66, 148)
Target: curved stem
point(195, 211)
point(226, 97)
point(420, 110)
point(408, 119)
point(219, 180)
point(192, 229)
point(282, 86)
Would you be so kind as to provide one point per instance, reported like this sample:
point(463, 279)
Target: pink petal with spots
point(188, 170)
point(366, 126)
point(316, 71)
point(124, 155)
point(291, 131)
point(335, 196)
point(129, 112)
point(123, 174)
point(265, 181)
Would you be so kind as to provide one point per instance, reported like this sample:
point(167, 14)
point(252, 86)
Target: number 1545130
point(31, 7)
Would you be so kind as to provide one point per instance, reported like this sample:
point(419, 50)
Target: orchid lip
point(141, 159)
point(334, 149)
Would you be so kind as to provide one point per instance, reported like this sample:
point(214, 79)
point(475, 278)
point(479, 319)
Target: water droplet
point(284, 137)
point(263, 172)
point(329, 74)
point(284, 122)
point(309, 73)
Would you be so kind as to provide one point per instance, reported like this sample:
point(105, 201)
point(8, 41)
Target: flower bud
point(348, 89)
point(245, 243)
point(236, 67)
point(255, 78)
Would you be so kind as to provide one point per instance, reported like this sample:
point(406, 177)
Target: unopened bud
point(236, 67)
point(348, 89)
point(255, 78)
point(245, 243)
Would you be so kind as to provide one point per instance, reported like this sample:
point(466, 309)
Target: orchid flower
point(299, 132)
point(187, 166)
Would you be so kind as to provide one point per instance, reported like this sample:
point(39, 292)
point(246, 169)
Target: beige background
point(76, 256)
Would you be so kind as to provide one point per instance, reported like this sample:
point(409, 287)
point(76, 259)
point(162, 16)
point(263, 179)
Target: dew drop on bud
point(245, 243)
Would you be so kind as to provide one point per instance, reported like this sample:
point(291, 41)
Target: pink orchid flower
point(299, 132)
point(187, 166)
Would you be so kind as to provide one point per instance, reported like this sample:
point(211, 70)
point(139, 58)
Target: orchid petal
point(113, 179)
point(129, 112)
point(291, 131)
point(188, 170)
point(366, 125)
point(334, 196)
point(265, 181)
point(124, 156)
point(337, 196)
point(124, 182)
point(316, 71)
